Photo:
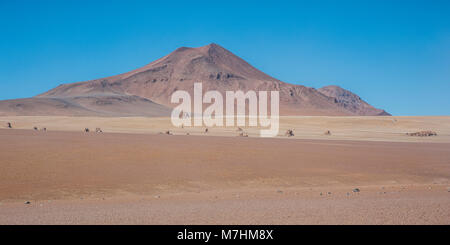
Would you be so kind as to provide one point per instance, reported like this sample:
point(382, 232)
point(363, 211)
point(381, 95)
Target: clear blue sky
point(394, 54)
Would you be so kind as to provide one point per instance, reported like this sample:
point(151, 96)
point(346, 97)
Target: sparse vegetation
point(423, 133)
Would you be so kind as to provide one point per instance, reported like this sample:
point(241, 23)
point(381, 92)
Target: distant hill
point(351, 101)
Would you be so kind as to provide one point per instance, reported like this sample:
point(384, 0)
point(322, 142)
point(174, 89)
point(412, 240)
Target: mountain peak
point(203, 63)
point(211, 46)
point(214, 45)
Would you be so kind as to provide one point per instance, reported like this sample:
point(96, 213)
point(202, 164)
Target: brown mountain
point(147, 90)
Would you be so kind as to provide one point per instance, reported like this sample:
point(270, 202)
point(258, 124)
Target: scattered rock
point(27, 202)
point(289, 133)
point(423, 133)
point(242, 134)
point(329, 193)
point(356, 190)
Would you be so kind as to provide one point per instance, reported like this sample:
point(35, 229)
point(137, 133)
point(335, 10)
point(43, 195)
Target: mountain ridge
point(351, 101)
point(214, 66)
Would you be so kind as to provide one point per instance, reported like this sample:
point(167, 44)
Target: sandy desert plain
point(368, 171)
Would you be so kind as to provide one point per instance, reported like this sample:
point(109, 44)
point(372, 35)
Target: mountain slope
point(351, 101)
point(217, 68)
point(94, 105)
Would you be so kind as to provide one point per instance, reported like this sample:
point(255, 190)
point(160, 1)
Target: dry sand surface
point(377, 128)
point(130, 174)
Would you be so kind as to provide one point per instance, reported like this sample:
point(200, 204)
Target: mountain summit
point(147, 91)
